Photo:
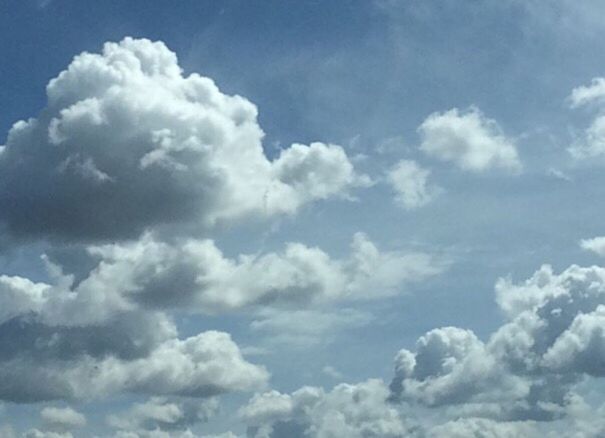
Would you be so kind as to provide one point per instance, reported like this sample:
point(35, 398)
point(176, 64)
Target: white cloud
point(468, 139)
point(304, 328)
point(92, 337)
point(199, 366)
point(585, 94)
point(592, 143)
point(126, 142)
point(159, 413)
point(194, 275)
point(553, 337)
point(410, 184)
point(485, 428)
point(62, 419)
point(452, 366)
point(596, 245)
point(353, 411)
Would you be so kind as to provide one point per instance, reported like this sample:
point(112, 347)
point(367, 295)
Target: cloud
point(592, 143)
point(194, 275)
point(35, 433)
point(62, 419)
point(305, 328)
point(469, 140)
point(584, 95)
point(110, 331)
point(353, 411)
point(126, 142)
point(89, 341)
point(204, 365)
point(410, 183)
point(596, 245)
point(452, 366)
point(527, 369)
point(481, 427)
point(159, 413)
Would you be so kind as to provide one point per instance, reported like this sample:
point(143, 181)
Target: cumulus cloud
point(194, 274)
point(553, 338)
point(452, 366)
point(468, 139)
point(592, 143)
point(586, 94)
point(483, 428)
point(199, 366)
point(596, 245)
point(90, 341)
point(410, 183)
point(353, 411)
point(62, 419)
point(88, 338)
point(160, 413)
point(126, 142)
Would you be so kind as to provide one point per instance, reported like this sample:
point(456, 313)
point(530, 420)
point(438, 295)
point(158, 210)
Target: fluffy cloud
point(469, 140)
point(126, 142)
point(91, 337)
point(452, 366)
point(410, 183)
point(483, 428)
point(596, 245)
point(353, 411)
point(592, 143)
point(200, 366)
point(194, 275)
point(62, 418)
point(90, 341)
point(586, 94)
point(159, 413)
point(552, 339)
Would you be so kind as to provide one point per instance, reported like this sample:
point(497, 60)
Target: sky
point(284, 219)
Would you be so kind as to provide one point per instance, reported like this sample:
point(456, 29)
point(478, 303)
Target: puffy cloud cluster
point(195, 275)
point(110, 332)
point(410, 183)
point(128, 156)
point(483, 428)
point(592, 143)
point(161, 414)
point(64, 342)
point(204, 365)
point(62, 418)
point(468, 139)
point(554, 337)
point(126, 142)
point(354, 411)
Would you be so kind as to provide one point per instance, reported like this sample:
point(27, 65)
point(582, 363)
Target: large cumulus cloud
point(128, 142)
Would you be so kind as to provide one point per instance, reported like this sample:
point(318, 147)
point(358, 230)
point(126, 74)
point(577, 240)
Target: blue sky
point(391, 168)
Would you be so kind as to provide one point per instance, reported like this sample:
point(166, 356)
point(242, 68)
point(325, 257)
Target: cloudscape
point(302, 219)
